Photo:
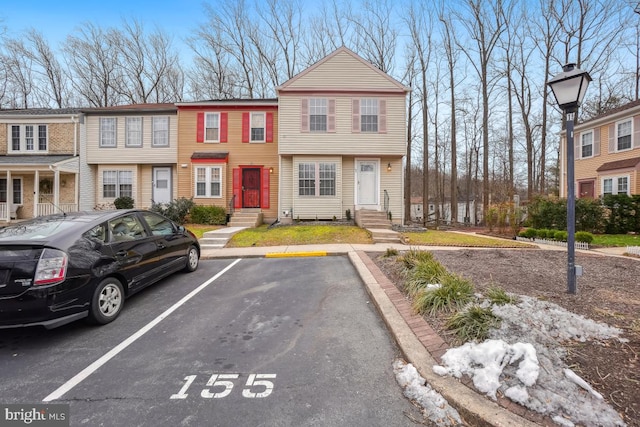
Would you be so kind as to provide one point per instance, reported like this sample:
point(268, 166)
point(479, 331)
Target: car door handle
point(161, 246)
point(121, 253)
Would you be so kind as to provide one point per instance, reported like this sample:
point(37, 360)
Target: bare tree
point(327, 31)
point(484, 24)
point(18, 70)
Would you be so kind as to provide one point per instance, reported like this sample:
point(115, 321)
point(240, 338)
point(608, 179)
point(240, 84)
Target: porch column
point(9, 196)
point(56, 190)
point(36, 193)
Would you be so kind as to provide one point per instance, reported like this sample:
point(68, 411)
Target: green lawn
point(298, 235)
point(609, 240)
point(447, 238)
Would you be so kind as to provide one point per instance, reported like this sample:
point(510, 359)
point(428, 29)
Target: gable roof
point(345, 79)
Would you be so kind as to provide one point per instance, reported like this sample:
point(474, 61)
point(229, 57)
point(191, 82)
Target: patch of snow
point(435, 407)
point(539, 381)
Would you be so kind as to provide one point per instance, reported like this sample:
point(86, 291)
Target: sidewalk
point(419, 343)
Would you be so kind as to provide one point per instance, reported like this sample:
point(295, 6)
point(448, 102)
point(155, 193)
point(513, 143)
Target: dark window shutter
point(269, 128)
point(200, 128)
point(245, 127)
point(223, 127)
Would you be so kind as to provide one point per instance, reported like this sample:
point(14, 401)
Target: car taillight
point(52, 267)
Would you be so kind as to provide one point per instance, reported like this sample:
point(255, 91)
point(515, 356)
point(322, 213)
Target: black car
point(59, 268)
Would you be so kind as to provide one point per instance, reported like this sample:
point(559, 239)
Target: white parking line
point(124, 344)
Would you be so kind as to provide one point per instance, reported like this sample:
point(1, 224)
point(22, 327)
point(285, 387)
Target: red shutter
point(355, 123)
point(237, 187)
point(265, 188)
point(304, 115)
point(200, 128)
point(382, 116)
point(245, 127)
point(223, 127)
point(269, 127)
point(331, 115)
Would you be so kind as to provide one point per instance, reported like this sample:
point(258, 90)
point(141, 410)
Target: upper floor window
point(208, 181)
point(212, 127)
point(318, 114)
point(117, 184)
point(369, 115)
point(587, 144)
point(107, 131)
point(623, 135)
point(16, 187)
point(29, 138)
point(160, 131)
point(134, 131)
point(257, 127)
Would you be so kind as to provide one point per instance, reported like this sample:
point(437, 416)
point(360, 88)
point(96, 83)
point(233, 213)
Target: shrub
point(583, 236)
point(544, 234)
point(391, 252)
point(492, 217)
point(210, 215)
point(473, 323)
point(530, 233)
point(454, 292)
point(498, 296)
point(413, 257)
point(348, 214)
point(177, 210)
point(561, 236)
point(423, 274)
point(124, 202)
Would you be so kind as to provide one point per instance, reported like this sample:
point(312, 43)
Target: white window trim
point(153, 131)
point(118, 183)
point(614, 184)
point(264, 128)
point(100, 132)
point(316, 164)
point(325, 101)
point(23, 138)
point(205, 127)
point(590, 132)
point(207, 182)
point(10, 190)
point(630, 119)
point(127, 141)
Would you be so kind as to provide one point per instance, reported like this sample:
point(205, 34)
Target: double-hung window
point(369, 115)
point(134, 131)
point(587, 144)
point(257, 127)
point(317, 179)
point(623, 135)
point(29, 138)
point(317, 114)
point(208, 181)
point(212, 127)
point(117, 184)
point(615, 185)
point(160, 131)
point(16, 186)
point(107, 131)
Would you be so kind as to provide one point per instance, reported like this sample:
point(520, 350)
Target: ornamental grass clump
point(453, 293)
point(414, 257)
point(498, 296)
point(473, 323)
point(423, 274)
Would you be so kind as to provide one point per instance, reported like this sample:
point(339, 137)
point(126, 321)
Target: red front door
point(586, 189)
point(251, 188)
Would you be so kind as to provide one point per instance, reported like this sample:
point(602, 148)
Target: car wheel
point(193, 258)
point(107, 301)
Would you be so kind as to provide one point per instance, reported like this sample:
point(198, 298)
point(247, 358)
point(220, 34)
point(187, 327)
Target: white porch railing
point(49, 208)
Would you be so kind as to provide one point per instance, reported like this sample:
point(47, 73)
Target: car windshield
point(34, 230)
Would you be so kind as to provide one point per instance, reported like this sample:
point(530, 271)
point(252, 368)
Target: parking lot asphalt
point(418, 342)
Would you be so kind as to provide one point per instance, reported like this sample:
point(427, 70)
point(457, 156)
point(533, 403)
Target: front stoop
point(377, 223)
point(245, 218)
point(218, 239)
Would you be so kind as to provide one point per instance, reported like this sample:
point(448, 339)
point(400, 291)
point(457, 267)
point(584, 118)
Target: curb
point(294, 254)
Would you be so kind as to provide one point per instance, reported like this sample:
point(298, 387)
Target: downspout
point(74, 120)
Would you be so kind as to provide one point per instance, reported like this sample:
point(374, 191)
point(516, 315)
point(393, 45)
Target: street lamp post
point(569, 88)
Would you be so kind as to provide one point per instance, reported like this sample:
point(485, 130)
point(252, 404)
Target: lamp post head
point(569, 87)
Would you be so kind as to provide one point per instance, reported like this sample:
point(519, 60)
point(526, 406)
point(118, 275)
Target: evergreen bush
point(124, 202)
point(209, 215)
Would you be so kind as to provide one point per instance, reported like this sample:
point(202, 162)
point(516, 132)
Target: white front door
point(367, 183)
point(162, 185)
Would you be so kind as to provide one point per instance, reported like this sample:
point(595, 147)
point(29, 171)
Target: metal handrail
point(386, 201)
point(232, 204)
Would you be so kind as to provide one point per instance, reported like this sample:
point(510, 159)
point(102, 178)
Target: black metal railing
point(232, 204)
point(386, 202)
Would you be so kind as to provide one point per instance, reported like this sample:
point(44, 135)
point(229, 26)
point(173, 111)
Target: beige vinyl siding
point(286, 185)
point(345, 72)
point(348, 186)
point(121, 154)
point(320, 207)
point(343, 141)
point(392, 182)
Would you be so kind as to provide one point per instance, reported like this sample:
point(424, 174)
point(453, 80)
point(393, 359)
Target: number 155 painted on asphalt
point(220, 385)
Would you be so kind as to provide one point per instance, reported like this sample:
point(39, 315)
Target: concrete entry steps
point(379, 225)
point(245, 218)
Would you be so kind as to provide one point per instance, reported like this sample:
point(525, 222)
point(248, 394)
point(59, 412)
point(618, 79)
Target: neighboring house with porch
point(342, 140)
point(607, 154)
point(131, 150)
point(39, 162)
point(228, 155)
